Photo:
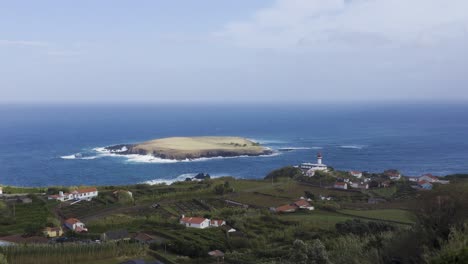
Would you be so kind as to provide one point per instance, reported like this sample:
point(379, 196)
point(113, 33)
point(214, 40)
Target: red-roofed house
point(75, 225)
point(195, 222)
point(429, 178)
point(341, 185)
point(303, 204)
point(286, 209)
point(356, 174)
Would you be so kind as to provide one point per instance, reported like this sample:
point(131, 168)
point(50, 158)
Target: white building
point(80, 194)
point(1, 190)
point(358, 185)
point(195, 222)
point(200, 222)
point(75, 225)
point(356, 174)
point(311, 168)
point(341, 185)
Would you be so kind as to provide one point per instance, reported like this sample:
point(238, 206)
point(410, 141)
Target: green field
point(396, 215)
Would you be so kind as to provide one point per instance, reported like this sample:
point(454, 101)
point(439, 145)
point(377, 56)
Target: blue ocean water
point(37, 142)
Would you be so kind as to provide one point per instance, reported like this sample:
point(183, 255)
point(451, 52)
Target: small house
point(286, 209)
point(195, 222)
point(341, 185)
point(425, 185)
point(429, 178)
point(75, 225)
point(303, 204)
point(52, 231)
point(393, 174)
point(356, 174)
point(1, 190)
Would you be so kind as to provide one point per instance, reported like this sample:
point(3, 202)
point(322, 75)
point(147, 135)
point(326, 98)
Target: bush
point(285, 172)
point(360, 228)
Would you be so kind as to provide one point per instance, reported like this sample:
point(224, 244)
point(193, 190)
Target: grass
point(318, 219)
point(25, 215)
point(397, 215)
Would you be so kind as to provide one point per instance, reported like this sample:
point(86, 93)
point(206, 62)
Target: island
point(182, 148)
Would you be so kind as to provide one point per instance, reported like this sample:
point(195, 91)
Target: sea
point(60, 144)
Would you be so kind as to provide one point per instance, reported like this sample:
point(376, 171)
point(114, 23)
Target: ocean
point(44, 145)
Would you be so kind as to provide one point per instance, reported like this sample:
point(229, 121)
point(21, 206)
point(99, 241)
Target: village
point(158, 216)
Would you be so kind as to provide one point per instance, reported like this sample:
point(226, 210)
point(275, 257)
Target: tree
point(303, 253)
point(3, 260)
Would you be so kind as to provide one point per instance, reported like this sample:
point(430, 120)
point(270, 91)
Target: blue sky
point(233, 51)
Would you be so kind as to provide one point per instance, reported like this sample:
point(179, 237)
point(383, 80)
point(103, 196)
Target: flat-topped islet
point(182, 148)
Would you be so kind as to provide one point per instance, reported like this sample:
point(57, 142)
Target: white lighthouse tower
point(319, 158)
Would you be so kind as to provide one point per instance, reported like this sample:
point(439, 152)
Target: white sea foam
point(181, 178)
point(136, 158)
point(352, 146)
point(299, 148)
point(68, 157)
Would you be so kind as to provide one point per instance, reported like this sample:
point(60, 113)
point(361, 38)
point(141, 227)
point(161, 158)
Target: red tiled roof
point(193, 220)
point(302, 203)
point(72, 221)
point(286, 208)
point(422, 182)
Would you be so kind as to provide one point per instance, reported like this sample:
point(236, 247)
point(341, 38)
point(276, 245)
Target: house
point(341, 185)
point(303, 204)
point(286, 209)
point(425, 185)
point(75, 225)
point(393, 174)
point(195, 222)
point(52, 231)
point(217, 223)
point(79, 194)
point(144, 238)
point(358, 185)
point(1, 190)
point(115, 235)
point(356, 174)
point(429, 178)
point(413, 179)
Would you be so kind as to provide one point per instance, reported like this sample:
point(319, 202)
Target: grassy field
point(397, 215)
point(322, 220)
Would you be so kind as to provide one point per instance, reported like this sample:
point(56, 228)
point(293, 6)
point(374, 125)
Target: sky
point(305, 51)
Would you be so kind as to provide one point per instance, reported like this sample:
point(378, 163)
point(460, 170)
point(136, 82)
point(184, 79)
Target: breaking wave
point(352, 146)
point(180, 178)
point(135, 158)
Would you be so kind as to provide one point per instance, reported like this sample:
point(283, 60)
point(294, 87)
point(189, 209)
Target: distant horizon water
point(61, 144)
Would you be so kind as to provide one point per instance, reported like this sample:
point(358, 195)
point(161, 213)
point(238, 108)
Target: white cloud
point(340, 23)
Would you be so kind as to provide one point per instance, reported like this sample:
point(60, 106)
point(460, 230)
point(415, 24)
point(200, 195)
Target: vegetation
point(409, 226)
point(71, 253)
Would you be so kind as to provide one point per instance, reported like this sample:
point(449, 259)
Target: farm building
point(79, 194)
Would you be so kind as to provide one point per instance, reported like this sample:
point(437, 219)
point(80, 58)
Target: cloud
point(343, 23)
point(26, 43)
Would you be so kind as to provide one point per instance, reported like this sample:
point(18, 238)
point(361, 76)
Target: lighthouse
point(319, 158)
